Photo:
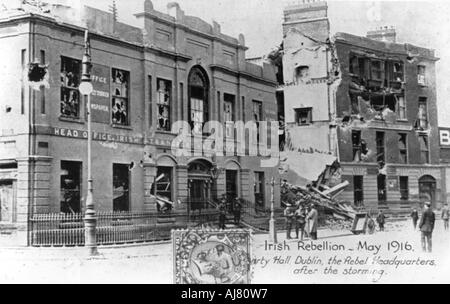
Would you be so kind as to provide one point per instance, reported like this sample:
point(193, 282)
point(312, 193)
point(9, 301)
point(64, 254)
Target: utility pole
point(272, 227)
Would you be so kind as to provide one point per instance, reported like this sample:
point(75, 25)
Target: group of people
point(236, 210)
point(301, 218)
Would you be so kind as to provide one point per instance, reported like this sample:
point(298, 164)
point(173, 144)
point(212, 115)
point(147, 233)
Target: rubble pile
point(339, 215)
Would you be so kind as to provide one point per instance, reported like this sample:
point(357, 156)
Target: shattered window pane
point(164, 100)
point(120, 101)
point(163, 183)
point(70, 81)
point(398, 71)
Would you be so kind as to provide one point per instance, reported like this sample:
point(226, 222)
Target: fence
point(113, 228)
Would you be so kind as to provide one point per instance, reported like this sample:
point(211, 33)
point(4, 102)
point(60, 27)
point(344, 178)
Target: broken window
point(380, 147)
point(120, 100)
point(198, 106)
point(404, 188)
point(422, 116)
point(121, 186)
point(376, 70)
point(382, 102)
point(163, 184)
point(70, 81)
point(356, 143)
point(403, 148)
point(164, 100)
point(381, 186)
point(421, 78)
point(398, 73)
point(424, 149)
point(301, 72)
point(228, 113)
point(70, 187)
point(359, 67)
point(303, 116)
point(401, 108)
point(358, 190)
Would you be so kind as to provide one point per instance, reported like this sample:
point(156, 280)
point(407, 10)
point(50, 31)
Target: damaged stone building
point(369, 101)
point(174, 67)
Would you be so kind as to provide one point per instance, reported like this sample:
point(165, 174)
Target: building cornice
point(242, 74)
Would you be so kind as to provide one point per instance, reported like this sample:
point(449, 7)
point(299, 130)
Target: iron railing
point(113, 228)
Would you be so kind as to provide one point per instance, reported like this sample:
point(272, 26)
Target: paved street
point(153, 263)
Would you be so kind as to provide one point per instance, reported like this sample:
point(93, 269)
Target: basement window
point(70, 81)
point(303, 116)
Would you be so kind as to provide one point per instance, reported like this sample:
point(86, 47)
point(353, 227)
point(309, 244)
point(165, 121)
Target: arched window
point(198, 99)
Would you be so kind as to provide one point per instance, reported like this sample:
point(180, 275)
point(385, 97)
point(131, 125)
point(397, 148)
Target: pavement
point(153, 263)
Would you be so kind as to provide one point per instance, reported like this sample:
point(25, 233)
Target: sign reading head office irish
point(211, 256)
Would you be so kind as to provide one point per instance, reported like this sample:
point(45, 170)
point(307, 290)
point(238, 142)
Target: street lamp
point(272, 227)
point(86, 89)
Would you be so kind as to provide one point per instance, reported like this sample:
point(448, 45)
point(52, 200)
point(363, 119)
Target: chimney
point(384, 34)
point(309, 17)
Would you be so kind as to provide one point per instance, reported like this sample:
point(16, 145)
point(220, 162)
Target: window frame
point(114, 97)
point(168, 106)
point(423, 101)
point(421, 75)
point(427, 150)
point(127, 191)
point(404, 150)
point(380, 147)
point(70, 90)
point(79, 165)
point(404, 190)
point(401, 108)
point(358, 193)
point(309, 116)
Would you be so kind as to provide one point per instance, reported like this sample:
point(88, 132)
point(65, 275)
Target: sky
point(423, 23)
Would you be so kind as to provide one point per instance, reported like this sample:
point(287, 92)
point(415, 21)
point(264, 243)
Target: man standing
point(381, 220)
point(313, 219)
point(289, 214)
point(300, 221)
point(222, 214)
point(445, 215)
point(237, 208)
point(415, 217)
point(426, 226)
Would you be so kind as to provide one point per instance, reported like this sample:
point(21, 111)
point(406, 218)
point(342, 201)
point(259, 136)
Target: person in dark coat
point(415, 217)
point(381, 220)
point(313, 221)
point(222, 214)
point(426, 226)
point(237, 209)
point(445, 216)
point(300, 222)
point(289, 214)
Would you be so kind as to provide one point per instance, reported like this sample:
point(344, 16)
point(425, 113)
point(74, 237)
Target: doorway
point(199, 185)
point(427, 189)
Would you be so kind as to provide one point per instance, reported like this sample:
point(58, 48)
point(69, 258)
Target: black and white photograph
point(224, 142)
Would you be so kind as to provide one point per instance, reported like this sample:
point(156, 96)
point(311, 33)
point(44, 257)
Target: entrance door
point(6, 202)
point(427, 189)
point(198, 194)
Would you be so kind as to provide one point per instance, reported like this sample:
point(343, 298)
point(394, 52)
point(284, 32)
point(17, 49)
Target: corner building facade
point(172, 68)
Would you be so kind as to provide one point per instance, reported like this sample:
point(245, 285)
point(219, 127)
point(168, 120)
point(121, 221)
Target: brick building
point(370, 101)
point(172, 68)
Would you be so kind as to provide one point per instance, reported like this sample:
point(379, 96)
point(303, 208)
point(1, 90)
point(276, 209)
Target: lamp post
point(272, 226)
point(86, 89)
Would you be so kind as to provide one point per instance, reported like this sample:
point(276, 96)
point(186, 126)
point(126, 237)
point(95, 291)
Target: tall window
point(422, 116)
point(257, 111)
point(358, 190)
point(421, 72)
point(259, 190)
point(70, 187)
point(397, 73)
point(70, 81)
point(403, 148)
point(380, 147)
point(376, 68)
point(356, 143)
point(228, 113)
point(424, 149)
point(120, 100)
point(401, 108)
point(404, 188)
point(164, 101)
point(198, 99)
point(121, 188)
point(381, 185)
